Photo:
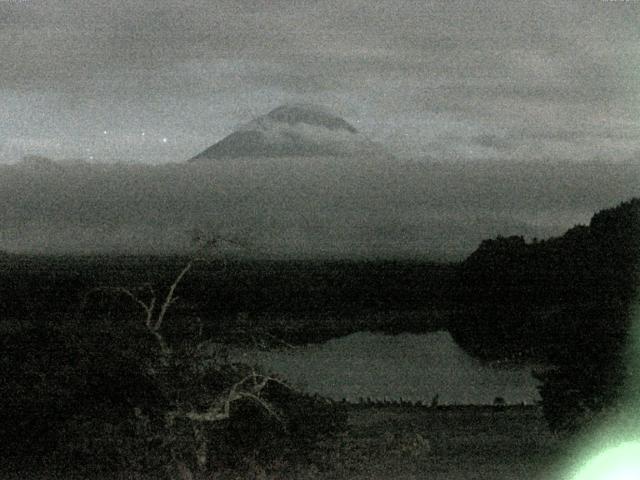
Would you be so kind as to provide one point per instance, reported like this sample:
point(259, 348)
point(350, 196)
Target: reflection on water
point(411, 367)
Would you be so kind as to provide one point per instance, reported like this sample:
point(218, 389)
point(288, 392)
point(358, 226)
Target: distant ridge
point(296, 130)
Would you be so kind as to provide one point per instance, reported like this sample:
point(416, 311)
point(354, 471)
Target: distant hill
point(566, 301)
point(556, 298)
point(298, 130)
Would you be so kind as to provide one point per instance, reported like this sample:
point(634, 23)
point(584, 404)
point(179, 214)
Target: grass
point(464, 442)
point(408, 442)
point(402, 442)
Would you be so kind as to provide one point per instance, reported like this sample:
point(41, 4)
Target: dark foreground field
point(445, 443)
point(294, 301)
point(404, 442)
point(460, 443)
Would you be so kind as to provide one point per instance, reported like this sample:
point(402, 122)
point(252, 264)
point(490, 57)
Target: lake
point(407, 366)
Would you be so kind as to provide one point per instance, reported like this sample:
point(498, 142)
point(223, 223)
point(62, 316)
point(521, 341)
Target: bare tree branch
point(220, 409)
point(248, 387)
point(263, 404)
point(170, 299)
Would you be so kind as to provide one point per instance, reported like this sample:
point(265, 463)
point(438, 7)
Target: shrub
point(108, 392)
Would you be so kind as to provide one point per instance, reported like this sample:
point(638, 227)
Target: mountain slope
point(298, 130)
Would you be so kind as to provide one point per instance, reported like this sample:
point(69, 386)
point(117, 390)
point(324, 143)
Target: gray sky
point(526, 114)
point(447, 80)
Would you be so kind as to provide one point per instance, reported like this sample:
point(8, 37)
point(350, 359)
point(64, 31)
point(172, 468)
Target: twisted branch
point(170, 299)
point(221, 410)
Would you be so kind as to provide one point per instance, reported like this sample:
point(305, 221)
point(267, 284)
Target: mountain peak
point(310, 114)
point(293, 130)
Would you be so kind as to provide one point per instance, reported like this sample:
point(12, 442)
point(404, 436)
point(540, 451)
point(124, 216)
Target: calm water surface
point(412, 367)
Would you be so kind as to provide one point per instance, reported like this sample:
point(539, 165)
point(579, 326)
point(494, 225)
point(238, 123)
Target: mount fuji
point(296, 130)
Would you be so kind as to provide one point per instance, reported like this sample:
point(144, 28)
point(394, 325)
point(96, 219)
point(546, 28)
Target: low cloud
point(409, 71)
point(302, 207)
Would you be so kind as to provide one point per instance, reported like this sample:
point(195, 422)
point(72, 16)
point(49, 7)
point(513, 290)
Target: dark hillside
point(539, 298)
point(315, 300)
point(564, 301)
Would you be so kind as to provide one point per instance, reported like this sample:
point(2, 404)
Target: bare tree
point(249, 387)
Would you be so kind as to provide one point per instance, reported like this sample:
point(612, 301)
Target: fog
point(300, 207)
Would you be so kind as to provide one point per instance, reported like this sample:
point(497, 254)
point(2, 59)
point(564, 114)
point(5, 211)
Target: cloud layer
point(448, 80)
point(302, 207)
point(524, 117)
